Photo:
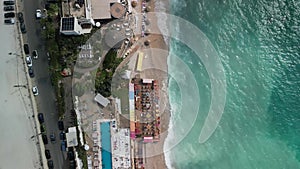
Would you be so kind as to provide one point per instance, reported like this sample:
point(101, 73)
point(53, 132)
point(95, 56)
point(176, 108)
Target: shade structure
point(117, 10)
point(134, 3)
point(147, 43)
point(148, 8)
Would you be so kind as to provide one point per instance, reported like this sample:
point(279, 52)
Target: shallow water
point(258, 44)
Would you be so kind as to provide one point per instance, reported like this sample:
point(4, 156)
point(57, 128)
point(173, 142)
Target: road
point(46, 98)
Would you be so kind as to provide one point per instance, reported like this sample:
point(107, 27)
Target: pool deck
point(118, 143)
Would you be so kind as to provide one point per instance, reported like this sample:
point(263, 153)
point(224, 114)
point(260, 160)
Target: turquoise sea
point(258, 42)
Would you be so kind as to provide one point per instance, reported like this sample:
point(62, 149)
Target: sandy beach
point(155, 66)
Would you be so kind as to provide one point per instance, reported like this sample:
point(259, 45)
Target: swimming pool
point(106, 145)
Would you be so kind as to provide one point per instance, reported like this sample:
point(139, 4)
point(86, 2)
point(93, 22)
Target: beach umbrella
point(134, 4)
point(148, 8)
point(147, 43)
point(147, 22)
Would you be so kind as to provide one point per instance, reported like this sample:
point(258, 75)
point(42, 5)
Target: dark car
point(62, 135)
point(9, 21)
point(9, 8)
point(30, 71)
point(8, 2)
point(45, 139)
point(20, 17)
point(41, 117)
point(43, 128)
point(9, 15)
point(61, 125)
point(23, 27)
point(26, 49)
point(63, 146)
point(50, 164)
point(71, 155)
point(52, 137)
point(47, 154)
point(72, 164)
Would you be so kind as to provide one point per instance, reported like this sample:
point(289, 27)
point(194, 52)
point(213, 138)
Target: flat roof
point(100, 9)
point(101, 100)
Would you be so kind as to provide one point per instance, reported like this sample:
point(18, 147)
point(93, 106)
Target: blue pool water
point(106, 145)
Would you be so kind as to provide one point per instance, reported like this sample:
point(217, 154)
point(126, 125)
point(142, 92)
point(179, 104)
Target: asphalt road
point(46, 98)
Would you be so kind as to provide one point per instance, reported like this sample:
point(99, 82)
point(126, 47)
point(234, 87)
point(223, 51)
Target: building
point(72, 26)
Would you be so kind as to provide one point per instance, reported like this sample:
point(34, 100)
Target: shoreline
point(157, 159)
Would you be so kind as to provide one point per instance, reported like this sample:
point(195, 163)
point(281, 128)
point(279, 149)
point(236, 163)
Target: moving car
point(47, 154)
point(8, 2)
point(28, 61)
point(61, 125)
point(9, 8)
point(9, 21)
point(26, 49)
point(41, 118)
point(52, 138)
point(9, 15)
point(31, 72)
point(38, 14)
point(35, 54)
point(35, 90)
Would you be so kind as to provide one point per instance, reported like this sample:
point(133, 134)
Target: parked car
point(35, 90)
point(9, 15)
point(72, 164)
point(43, 128)
point(26, 49)
point(47, 154)
point(23, 27)
point(28, 61)
point(71, 155)
point(8, 2)
point(9, 21)
point(31, 72)
point(52, 138)
point(20, 17)
point(41, 118)
point(50, 164)
point(62, 135)
point(45, 139)
point(38, 14)
point(9, 8)
point(35, 54)
point(61, 125)
point(63, 146)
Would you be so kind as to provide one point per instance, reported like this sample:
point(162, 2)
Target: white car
point(28, 61)
point(35, 54)
point(38, 14)
point(35, 90)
